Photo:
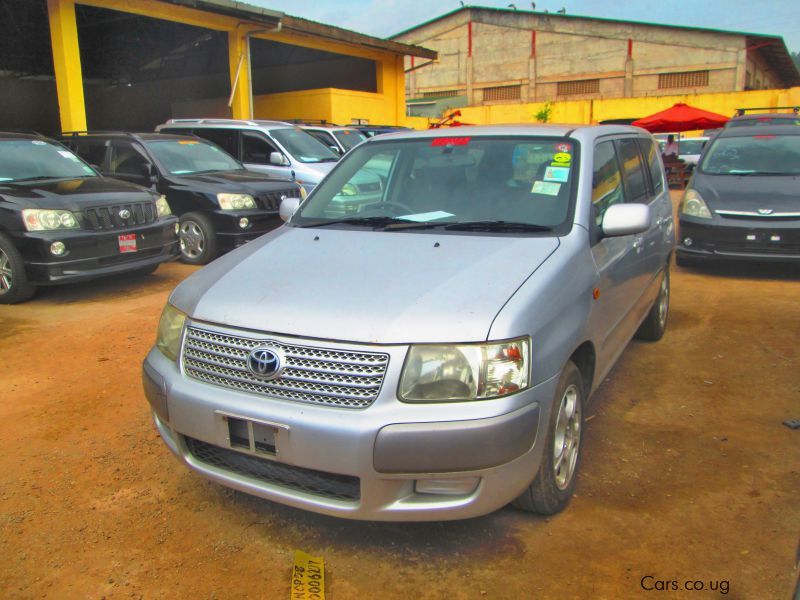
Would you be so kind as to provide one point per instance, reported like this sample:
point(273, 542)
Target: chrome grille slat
point(350, 379)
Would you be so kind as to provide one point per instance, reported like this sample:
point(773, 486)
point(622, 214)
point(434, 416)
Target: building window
point(504, 92)
point(685, 79)
point(440, 94)
point(578, 87)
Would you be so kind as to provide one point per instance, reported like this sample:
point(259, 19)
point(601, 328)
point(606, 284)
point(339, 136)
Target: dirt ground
point(688, 472)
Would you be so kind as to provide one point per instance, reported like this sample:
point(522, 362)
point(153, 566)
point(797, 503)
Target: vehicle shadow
point(772, 271)
point(406, 542)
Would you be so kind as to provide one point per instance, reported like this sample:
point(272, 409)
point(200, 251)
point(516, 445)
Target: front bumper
point(92, 254)
point(362, 463)
point(230, 233)
point(739, 239)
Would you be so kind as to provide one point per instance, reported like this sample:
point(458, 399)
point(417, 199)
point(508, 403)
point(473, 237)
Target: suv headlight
point(36, 219)
point(236, 201)
point(449, 373)
point(162, 207)
point(349, 189)
point(693, 205)
point(170, 326)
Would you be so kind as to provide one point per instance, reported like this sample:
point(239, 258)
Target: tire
point(14, 284)
point(655, 323)
point(552, 488)
point(198, 239)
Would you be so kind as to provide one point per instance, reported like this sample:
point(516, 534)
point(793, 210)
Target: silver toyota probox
point(427, 355)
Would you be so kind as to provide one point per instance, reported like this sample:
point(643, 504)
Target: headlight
point(236, 201)
point(44, 220)
point(170, 326)
point(465, 371)
point(162, 206)
point(693, 205)
point(348, 189)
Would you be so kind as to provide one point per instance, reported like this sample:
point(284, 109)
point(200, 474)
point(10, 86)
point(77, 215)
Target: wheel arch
point(585, 358)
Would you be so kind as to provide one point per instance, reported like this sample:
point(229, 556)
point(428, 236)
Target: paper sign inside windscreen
point(546, 188)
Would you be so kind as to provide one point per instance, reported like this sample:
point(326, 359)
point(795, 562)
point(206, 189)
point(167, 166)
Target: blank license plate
point(127, 242)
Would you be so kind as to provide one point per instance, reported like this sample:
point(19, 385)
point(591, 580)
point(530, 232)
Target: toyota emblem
point(765, 211)
point(266, 363)
point(124, 214)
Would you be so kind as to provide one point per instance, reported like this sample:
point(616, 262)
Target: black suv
point(221, 205)
point(60, 221)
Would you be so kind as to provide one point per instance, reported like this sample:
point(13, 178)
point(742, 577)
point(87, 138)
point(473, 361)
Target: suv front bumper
point(356, 463)
point(91, 254)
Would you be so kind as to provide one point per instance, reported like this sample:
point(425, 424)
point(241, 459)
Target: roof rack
point(741, 111)
point(80, 132)
point(312, 122)
point(251, 123)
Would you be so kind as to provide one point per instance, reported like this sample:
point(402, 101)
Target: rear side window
point(654, 164)
point(93, 152)
point(606, 180)
point(632, 171)
point(227, 139)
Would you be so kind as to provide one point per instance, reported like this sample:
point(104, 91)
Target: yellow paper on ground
point(308, 577)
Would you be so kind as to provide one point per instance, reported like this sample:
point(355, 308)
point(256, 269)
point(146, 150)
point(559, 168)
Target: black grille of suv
point(272, 200)
point(119, 216)
point(329, 485)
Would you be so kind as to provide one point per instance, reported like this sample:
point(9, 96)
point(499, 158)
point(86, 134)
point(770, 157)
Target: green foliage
point(543, 116)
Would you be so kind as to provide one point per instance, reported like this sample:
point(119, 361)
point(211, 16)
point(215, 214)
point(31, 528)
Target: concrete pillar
point(67, 64)
point(241, 99)
point(741, 70)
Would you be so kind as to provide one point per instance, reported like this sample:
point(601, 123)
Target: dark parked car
point(221, 205)
point(60, 221)
point(758, 119)
point(744, 199)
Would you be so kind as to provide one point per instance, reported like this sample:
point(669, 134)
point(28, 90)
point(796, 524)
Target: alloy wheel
point(6, 274)
point(193, 242)
point(567, 437)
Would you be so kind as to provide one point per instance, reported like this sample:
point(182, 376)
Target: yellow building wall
point(593, 111)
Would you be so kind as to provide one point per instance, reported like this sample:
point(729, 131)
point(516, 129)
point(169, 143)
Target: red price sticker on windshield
point(450, 141)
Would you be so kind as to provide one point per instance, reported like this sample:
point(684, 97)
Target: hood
point(780, 193)
point(73, 194)
point(364, 286)
point(237, 182)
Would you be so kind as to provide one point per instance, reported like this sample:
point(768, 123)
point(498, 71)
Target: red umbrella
point(681, 117)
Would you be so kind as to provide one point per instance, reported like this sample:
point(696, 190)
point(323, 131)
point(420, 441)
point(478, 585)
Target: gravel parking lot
point(688, 474)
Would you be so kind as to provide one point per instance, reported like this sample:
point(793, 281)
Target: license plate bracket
point(250, 435)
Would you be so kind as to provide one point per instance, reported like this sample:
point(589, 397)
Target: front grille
point(314, 375)
point(328, 485)
point(108, 217)
point(272, 200)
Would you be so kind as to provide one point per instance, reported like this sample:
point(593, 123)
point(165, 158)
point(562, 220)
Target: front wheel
point(198, 239)
point(14, 284)
point(554, 484)
point(655, 323)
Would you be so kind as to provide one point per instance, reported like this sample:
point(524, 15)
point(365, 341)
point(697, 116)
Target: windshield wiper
point(496, 226)
point(378, 221)
point(43, 177)
point(756, 173)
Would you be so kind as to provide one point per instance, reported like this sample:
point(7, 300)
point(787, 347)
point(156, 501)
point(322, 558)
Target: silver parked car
point(429, 355)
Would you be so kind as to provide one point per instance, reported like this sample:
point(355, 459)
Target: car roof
point(143, 137)
point(227, 123)
point(586, 132)
point(22, 135)
point(754, 130)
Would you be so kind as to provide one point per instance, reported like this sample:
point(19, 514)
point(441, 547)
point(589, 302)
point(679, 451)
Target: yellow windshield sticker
point(562, 157)
point(308, 577)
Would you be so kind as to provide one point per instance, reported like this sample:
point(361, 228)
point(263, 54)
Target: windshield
point(184, 157)
point(691, 146)
point(349, 139)
point(753, 155)
point(22, 160)
point(302, 146)
point(448, 182)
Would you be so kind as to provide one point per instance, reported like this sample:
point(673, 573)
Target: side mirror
point(626, 219)
point(148, 171)
point(288, 207)
point(276, 158)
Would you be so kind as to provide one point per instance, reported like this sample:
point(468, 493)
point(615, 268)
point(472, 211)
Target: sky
point(383, 18)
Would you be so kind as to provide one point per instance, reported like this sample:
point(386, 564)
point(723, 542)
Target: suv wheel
point(198, 239)
point(655, 323)
point(14, 284)
point(554, 484)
